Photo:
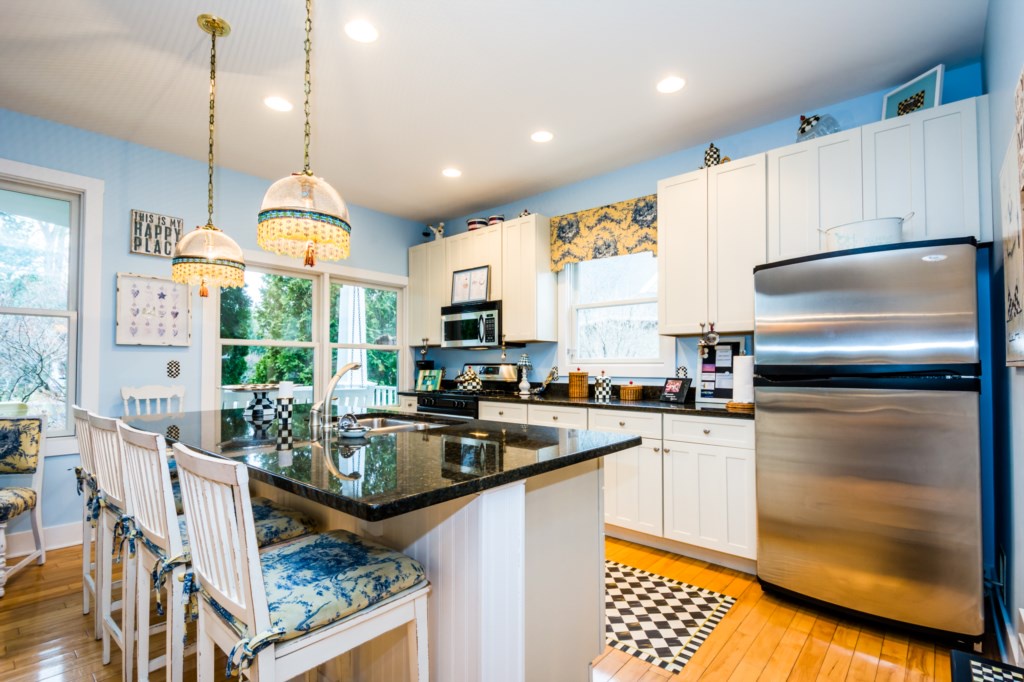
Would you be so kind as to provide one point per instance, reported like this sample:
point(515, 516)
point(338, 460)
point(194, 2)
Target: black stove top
point(469, 394)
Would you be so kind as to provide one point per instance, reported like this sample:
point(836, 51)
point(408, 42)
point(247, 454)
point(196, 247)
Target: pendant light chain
point(308, 45)
point(209, 156)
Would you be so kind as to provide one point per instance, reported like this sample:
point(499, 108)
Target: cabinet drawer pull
point(707, 431)
point(622, 423)
point(501, 413)
point(554, 417)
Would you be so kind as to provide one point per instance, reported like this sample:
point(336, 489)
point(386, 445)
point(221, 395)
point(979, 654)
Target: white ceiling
point(462, 82)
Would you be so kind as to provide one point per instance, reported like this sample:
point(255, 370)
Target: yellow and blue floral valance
point(614, 230)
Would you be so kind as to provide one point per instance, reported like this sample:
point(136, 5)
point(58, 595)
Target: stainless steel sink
point(392, 425)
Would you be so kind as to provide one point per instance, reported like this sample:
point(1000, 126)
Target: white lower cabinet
point(514, 413)
point(557, 415)
point(632, 488)
point(407, 403)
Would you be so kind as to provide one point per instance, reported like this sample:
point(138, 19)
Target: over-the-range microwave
point(472, 325)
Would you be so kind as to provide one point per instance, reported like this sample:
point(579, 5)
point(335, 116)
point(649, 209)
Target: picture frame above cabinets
point(923, 92)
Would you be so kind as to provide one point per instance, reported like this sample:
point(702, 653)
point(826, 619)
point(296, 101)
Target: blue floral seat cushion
point(14, 501)
point(321, 578)
point(20, 440)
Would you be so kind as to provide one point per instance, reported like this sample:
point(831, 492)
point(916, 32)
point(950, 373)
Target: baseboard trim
point(54, 537)
point(709, 555)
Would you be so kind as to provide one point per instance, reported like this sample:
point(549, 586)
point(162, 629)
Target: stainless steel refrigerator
point(867, 431)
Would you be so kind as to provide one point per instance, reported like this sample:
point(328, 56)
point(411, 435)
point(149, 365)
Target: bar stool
point(22, 441)
point(162, 552)
point(87, 488)
point(285, 610)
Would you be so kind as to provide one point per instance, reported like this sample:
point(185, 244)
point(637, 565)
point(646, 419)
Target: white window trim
point(90, 278)
point(624, 369)
point(321, 299)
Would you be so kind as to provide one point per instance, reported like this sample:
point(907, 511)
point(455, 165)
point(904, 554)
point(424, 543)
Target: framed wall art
point(152, 311)
point(471, 285)
point(923, 92)
point(153, 234)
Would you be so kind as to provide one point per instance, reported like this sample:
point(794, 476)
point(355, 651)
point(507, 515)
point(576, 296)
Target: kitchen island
point(507, 520)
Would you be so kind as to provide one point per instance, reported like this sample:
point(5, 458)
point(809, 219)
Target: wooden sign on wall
point(153, 234)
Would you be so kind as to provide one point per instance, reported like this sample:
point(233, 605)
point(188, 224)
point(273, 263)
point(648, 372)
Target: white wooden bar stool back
point(106, 448)
point(90, 532)
point(226, 562)
point(151, 499)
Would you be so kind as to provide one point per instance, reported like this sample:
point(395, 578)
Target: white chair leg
point(142, 592)
point(204, 648)
point(99, 579)
point(128, 615)
point(106, 560)
point(420, 663)
point(176, 611)
point(37, 531)
point(86, 553)
point(3, 557)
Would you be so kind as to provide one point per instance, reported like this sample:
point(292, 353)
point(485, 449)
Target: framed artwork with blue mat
point(923, 92)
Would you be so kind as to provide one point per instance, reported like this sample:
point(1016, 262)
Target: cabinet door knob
point(622, 423)
point(501, 413)
point(657, 449)
point(667, 451)
point(707, 431)
point(554, 417)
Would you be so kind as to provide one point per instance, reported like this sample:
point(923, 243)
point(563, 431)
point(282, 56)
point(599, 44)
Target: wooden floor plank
point(764, 645)
point(812, 655)
point(782, 659)
point(920, 661)
point(892, 663)
point(864, 665)
point(839, 654)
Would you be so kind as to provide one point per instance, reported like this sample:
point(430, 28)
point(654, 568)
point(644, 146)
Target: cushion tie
point(244, 652)
point(161, 568)
point(190, 595)
point(125, 529)
point(80, 477)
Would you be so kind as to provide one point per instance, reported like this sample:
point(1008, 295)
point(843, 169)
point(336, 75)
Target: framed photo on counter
point(471, 285)
point(675, 389)
point(429, 379)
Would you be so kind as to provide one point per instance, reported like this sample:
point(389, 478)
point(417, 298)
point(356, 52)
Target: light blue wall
point(138, 177)
point(1003, 58)
point(641, 179)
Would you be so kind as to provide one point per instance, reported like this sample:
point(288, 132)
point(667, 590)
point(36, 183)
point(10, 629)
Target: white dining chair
point(24, 442)
point(283, 611)
point(106, 447)
point(88, 488)
point(152, 399)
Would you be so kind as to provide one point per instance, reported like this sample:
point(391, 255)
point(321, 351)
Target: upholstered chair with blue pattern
point(87, 488)
point(161, 544)
point(21, 453)
point(286, 609)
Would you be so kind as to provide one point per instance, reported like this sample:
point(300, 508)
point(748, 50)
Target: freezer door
point(870, 499)
point(914, 305)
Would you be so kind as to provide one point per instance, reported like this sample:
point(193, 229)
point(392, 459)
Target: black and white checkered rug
point(972, 668)
point(657, 619)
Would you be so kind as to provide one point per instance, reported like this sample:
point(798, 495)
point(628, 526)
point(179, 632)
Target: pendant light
point(206, 255)
point(302, 215)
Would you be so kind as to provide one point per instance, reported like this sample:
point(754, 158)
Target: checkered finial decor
point(285, 434)
point(173, 369)
point(682, 372)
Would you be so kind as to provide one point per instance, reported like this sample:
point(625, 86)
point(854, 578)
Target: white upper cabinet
point(471, 250)
point(933, 163)
point(812, 186)
point(529, 288)
point(711, 234)
point(426, 293)
point(927, 162)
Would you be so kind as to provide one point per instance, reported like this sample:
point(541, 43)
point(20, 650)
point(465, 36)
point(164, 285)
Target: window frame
point(322, 275)
point(662, 366)
point(84, 285)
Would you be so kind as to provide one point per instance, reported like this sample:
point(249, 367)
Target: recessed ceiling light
point(361, 31)
point(278, 103)
point(451, 172)
point(542, 136)
point(671, 84)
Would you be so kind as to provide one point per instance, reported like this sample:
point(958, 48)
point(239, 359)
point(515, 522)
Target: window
point(274, 329)
point(39, 233)
point(613, 317)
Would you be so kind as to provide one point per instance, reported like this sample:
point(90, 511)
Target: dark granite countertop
point(385, 475)
point(647, 405)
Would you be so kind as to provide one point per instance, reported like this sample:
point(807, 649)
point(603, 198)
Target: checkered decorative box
point(284, 408)
point(285, 435)
point(603, 389)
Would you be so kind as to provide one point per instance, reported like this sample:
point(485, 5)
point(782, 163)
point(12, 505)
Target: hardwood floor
point(766, 638)
point(44, 636)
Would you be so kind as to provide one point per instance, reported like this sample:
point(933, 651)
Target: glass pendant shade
point(207, 256)
point(303, 216)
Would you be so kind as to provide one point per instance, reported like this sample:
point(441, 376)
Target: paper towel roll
point(743, 379)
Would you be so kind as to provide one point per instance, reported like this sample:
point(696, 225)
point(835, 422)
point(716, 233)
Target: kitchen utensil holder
point(579, 384)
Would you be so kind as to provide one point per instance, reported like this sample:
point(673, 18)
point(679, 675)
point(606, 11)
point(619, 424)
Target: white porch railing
point(352, 399)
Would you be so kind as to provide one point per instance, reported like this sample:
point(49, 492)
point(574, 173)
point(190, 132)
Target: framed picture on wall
point(471, 285)
point(152, 311)
point(923, 92)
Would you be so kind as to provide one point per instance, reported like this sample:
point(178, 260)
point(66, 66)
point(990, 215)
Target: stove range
point(498, 379)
